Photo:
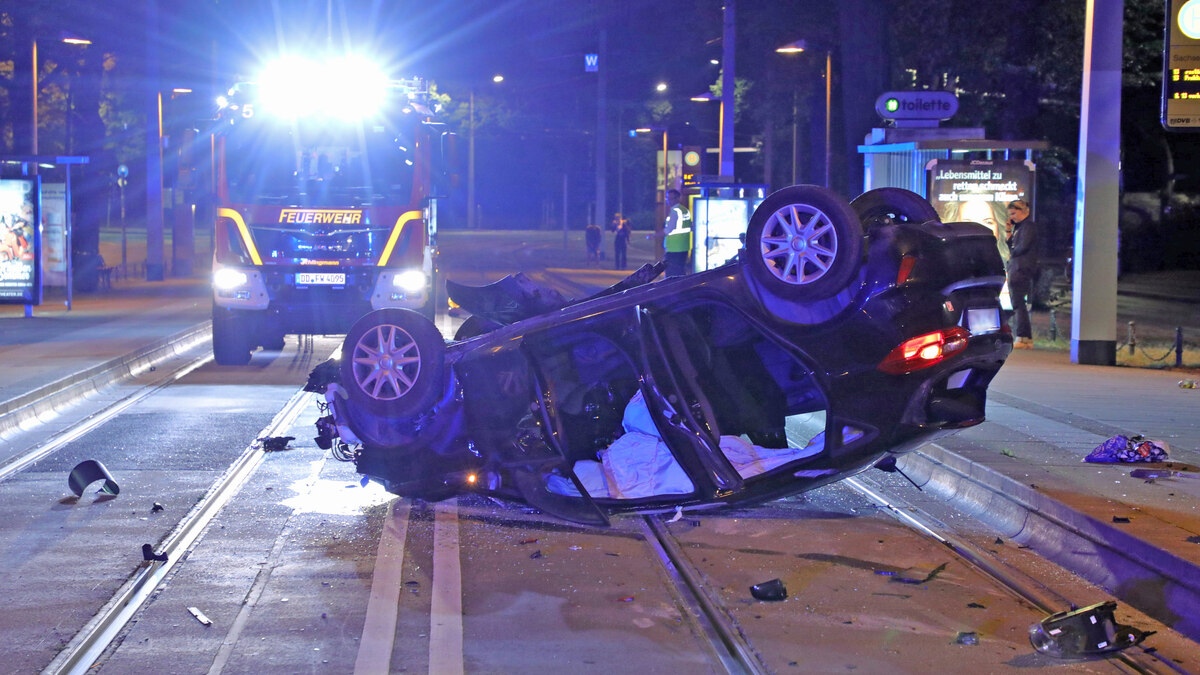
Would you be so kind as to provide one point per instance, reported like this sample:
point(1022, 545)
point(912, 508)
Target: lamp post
point(65, 38)
point(660, 209)
point(795, 48)
point(472, 221)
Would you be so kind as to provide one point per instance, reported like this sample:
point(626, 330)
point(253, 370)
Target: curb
point(21, 410)
point(1155, 581)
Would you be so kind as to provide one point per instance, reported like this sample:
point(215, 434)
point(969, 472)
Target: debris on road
point(149, 555)
point(1151, 474)
point(276, 443)
point(1085, 631)
point(967, 638)
point(204, 620)
point(769, 591)
point(1128, 449)
point(87, 472)
point(156, 508)
point(918, 575)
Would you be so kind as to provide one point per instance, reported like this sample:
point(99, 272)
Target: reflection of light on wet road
point(335, 497)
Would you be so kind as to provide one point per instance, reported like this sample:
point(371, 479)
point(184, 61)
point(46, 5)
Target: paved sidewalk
point(55, 344)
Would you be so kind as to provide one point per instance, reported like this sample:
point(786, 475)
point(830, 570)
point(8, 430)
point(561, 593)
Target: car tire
point(230, 338)
point(883, 206)
point(805, 243)
point(392, 362)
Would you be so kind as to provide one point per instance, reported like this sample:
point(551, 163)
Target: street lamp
point(471, 216)
point(795, 48)
point(68, 38)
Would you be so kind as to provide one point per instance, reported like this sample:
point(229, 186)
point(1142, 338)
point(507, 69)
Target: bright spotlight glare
point(356, 88)
point(348, 87)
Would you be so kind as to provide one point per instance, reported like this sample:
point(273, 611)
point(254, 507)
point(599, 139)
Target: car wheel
point(231, 338)
point(804, 242)
point(392, 362)
point(884, 206)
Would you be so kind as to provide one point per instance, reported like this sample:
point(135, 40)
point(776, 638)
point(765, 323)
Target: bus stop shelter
point(35, 219)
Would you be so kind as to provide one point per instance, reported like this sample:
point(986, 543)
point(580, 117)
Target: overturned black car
point(844, 332)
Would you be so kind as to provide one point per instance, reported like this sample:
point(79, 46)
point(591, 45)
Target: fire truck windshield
point(326, 164)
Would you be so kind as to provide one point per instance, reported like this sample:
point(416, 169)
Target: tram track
point(76, 430)
point(88, 645)
point(1138, 659)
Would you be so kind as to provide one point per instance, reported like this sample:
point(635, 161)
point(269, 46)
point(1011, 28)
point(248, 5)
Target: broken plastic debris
point(967, 638)
point(149, 555)
point(536, 554)
point(200, 616)
point(769, 591)
point(156, 508)
point(1082, 632)
point(1120, 519)
point(678, 515)
point(1151, 474)
point(87, 472)
point(975, 605)
point(275, 443)
point(527, 541)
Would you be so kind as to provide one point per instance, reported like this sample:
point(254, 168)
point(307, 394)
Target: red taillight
point(924, 351)
point(906, 268)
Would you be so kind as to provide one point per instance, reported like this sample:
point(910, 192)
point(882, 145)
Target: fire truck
point(326, 178)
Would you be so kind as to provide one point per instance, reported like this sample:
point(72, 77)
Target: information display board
point(979, 191)
point(1181, 66)
point(718, 224)
point(54, 234)
point(20, 242)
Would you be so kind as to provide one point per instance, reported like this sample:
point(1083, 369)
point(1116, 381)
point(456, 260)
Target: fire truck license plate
point(320, 278)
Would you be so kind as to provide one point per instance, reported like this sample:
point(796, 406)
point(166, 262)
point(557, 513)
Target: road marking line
point(445, 609)
point(383, 607)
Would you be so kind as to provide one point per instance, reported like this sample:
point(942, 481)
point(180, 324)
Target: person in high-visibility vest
point(678, 230)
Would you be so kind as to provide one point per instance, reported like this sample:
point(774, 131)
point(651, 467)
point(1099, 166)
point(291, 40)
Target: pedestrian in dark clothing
point(592, 237)
point(621, 241)
point(1022, 268)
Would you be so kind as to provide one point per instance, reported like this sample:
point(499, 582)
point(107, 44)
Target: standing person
point(678, 230)
point(620, 241)
point(592, 235)
point(1022, 267)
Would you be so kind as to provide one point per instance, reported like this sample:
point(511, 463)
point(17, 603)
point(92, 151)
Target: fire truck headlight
point(410, 281)
point(227, 279)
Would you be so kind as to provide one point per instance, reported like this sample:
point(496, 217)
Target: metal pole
point(471, 163)
point(828, 105)
point(67, 225)
point(728, 88)
point(1179, 346)
point(795, 136)
point(34, 78)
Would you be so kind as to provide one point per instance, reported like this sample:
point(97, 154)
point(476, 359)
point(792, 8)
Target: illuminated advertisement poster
point(716, 226)
point(54, 234)
point(673, 168)
point(20, 271)
point(979, 191)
